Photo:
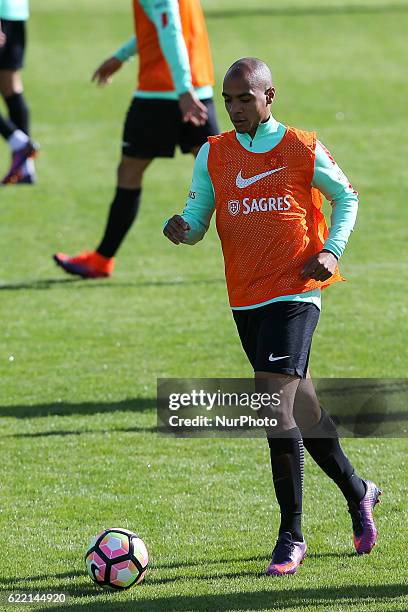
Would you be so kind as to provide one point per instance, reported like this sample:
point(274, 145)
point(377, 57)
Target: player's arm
point(104, 73)
point(165, 15)
point(335, 186)
point(191, 226)
point(127, 50)
point(2, 35)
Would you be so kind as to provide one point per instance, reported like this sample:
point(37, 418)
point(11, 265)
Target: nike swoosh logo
point(272, 358)
point(242, 182)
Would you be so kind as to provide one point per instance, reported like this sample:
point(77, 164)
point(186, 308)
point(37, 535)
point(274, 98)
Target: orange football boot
point(88, 264)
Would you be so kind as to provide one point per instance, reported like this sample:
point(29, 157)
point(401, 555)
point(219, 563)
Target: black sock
point(6, 128)
point(18, 112)
point(122, 213)
point(329, 455)
point(287, 472)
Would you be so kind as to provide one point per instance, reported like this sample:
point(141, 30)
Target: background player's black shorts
point(12, 54)
point(277, 337)
point(153, 128)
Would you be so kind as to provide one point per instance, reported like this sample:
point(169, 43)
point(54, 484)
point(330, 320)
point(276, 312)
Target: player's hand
point(192, 109)
point(320, 267)
point(176, 229)
point(3, 38)
point(103, 74)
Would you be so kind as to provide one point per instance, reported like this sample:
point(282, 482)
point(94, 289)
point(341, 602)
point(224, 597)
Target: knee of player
point(279, 412)
point(127, 173)
point(130, 172)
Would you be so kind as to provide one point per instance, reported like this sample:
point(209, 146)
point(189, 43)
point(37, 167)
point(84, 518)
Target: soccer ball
point(117, 559)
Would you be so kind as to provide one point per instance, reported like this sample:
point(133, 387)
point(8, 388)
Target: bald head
point(252, 70)
point(248, 92)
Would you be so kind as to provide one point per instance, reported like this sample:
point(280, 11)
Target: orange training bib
point(154, 72)
point(268, 216)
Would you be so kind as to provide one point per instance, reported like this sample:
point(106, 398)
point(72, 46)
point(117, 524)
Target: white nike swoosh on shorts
point(272, 358)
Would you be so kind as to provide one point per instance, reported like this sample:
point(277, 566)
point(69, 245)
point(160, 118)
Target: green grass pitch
point(78, 447)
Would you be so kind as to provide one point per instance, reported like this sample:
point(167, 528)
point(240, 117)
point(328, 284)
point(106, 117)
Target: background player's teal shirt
point(14, 10)
point(328, 178)
point(173, 48)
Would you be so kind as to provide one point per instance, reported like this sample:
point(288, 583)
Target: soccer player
point(15, 129)
point(172, 106)
point(264, 182)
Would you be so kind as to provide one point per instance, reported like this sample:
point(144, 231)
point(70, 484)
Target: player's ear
point(270, 95)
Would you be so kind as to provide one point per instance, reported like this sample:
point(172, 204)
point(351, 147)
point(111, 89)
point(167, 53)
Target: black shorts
point(153, 128)
point(12, 54)
point(277, 337)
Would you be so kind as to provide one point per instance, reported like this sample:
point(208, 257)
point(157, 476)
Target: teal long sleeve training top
point(14, 10)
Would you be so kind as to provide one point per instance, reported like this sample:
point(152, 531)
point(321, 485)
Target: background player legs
point(122, 214)
point(125, 204)
point(16, 129)
point(11, 89)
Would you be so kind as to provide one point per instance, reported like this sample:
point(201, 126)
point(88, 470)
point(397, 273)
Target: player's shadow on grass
point(261, 599)
point(63, 432)
point(79, 283)
point(41, 283)
point(306, 11)
point(138, 404)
